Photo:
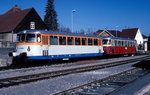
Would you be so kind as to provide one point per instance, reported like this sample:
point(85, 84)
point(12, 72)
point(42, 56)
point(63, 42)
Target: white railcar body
point(38, 50)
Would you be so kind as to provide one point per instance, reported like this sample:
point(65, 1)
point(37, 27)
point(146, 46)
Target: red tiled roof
point(110, 32)
point(12, 18)
point(129, 33)
point(144, 36)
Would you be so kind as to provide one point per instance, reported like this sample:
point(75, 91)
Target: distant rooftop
point(129, 33)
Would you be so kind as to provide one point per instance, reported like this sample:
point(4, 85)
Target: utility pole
point(72, 12)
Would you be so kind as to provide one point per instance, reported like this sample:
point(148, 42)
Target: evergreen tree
point(50, 17)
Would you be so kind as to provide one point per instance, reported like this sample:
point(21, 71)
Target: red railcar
point(119, 46)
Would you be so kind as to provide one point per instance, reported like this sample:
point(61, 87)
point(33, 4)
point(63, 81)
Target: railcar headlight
point(14, 54)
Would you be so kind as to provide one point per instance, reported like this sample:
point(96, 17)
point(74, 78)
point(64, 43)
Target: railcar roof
point(57, 33)
point(70, 34)
point(118, 38)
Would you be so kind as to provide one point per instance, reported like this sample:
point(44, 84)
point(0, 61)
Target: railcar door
point(45, 43)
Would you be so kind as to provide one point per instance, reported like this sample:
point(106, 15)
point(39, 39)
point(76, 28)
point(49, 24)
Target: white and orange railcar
point(47, 45)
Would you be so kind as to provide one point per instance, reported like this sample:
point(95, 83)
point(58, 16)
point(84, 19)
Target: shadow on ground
point(145, 64)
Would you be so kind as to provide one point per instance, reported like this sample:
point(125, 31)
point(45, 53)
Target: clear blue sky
point(93, 14)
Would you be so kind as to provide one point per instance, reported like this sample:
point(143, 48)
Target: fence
point(6, 44)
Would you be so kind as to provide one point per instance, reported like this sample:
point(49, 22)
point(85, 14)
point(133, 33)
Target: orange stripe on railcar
point(29, 43)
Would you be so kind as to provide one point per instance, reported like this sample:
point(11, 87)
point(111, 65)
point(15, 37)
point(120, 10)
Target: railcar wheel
point(15, 61)
point(132, 54)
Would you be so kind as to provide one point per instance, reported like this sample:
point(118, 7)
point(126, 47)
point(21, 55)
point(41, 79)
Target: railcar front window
point(31, 38)
point(106, 41)
point(18, 38)
point(21, 37)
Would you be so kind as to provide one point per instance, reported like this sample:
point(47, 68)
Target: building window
point(1, 36)
point(32, 25)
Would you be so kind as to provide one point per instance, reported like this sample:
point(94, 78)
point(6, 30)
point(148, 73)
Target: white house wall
point(8, 37)
point(139, 37)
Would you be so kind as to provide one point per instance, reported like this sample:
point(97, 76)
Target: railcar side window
point(113, 42)
point(129, 44)
point(77, 41)
point(53, 40)
point(70, 40)
point(62, 40)
point(132, 44)
point(83, 41)
point(45, 40)
point(123, 43)
point(119, 43)
point(100, 42)
point(89, 41)
point(95, 41)
point(116, 43)
point(126, 43)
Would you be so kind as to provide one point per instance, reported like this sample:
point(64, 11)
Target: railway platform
point(139, 87)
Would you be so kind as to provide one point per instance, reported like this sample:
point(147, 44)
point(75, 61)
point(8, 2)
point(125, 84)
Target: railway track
point(108, 85)
point(6, 82)
point(30, 67)
point(10, 70)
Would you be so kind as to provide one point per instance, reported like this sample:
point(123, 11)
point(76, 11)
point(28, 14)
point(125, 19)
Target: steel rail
point(22, 69)
point(6, 82)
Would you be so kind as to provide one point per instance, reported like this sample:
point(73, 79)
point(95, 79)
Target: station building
point(16, 20)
